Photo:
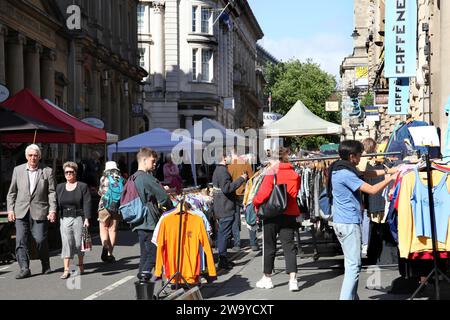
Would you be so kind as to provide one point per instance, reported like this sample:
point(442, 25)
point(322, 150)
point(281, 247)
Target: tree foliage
point(294, 80)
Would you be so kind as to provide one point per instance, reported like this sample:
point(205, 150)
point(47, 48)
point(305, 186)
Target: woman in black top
point(74, 201)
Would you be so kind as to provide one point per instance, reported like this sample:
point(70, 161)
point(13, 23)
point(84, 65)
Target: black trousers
point(285, 227)
point(39, 231)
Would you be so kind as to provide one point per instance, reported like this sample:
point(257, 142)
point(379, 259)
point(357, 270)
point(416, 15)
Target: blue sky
point(301, 29)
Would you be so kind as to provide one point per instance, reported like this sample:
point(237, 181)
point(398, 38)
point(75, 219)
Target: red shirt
point(285, 175)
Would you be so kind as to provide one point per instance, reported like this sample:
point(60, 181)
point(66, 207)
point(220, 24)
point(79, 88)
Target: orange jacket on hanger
point(193, 234)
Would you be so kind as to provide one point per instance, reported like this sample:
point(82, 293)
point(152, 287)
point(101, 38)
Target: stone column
point(444, 63)
point(157, 59)
point(3, 33)
point(33, 67)
point(14, 68)
point(48, 74)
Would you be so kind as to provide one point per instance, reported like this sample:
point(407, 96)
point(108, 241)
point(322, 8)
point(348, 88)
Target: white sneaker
point(264, 283)
point(293, 285)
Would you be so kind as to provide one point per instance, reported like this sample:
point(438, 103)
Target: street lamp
point(355, 34)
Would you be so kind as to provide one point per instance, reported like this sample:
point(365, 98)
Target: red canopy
point(26, 103)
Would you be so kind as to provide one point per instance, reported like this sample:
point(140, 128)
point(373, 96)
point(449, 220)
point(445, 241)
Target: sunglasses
point(69, 172)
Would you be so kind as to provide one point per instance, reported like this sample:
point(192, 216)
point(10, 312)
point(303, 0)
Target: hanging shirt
point(408, 242)
point(421, 208)
point(193, 234)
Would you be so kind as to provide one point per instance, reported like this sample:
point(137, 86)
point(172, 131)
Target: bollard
point(145, 287)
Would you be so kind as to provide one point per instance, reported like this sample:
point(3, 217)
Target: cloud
point(328, 50)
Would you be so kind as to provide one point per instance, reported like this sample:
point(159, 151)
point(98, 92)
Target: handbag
point(86, 241)
point(277, 202)
point(104, 215)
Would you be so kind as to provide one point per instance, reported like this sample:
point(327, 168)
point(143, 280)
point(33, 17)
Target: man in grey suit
point(31, 204)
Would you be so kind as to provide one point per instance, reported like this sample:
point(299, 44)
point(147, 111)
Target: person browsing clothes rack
point(345, 186)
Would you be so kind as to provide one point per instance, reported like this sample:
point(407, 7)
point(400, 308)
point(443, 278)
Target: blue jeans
point(237, 226)
point(349, 236)
point(148, 251)
point(224, 233)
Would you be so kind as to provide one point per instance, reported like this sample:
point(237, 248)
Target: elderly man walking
point(31, 204)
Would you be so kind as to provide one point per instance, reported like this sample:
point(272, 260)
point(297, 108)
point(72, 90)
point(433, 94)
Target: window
point(142, 57)
point(206, 19)
point(194, 64)
point(194, 18)
point(206, 62)
point(140, 17)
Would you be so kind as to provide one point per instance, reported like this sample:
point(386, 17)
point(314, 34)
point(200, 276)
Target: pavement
point(318, 280)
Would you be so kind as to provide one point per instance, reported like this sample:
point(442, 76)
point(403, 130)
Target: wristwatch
point(385, 170)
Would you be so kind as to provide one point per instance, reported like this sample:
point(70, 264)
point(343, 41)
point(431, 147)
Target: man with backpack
point(140, 206)
point(110, 191)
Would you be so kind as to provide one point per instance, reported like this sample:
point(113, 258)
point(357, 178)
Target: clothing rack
point(436, 271)
point(337, 157)
point(177, 273)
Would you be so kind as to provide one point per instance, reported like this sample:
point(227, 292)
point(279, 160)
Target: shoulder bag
point(277, 202)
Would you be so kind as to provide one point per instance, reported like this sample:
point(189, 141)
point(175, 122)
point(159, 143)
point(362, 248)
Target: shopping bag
point(86, 241)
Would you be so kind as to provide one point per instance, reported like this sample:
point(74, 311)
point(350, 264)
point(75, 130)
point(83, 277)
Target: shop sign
point(332, 106)
point(381, 99)
point(137, 110)
point(398, 96)
point(372, 113)
point(401, 42)
point(4, 93)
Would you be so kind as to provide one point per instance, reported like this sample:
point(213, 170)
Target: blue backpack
point(111, 198)
point(132, 208)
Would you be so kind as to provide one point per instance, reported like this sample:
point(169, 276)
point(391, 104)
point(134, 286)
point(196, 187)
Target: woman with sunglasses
point(74, 207)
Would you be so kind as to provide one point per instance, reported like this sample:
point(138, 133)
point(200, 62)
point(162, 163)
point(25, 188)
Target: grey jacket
point(43, 199)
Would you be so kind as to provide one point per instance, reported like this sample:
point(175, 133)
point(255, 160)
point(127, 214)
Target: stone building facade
point(197, 62)
point(427, 83)
point(358, 59)
point(90, 72)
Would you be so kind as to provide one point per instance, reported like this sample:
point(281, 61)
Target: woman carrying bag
point(74, 206)
point(283, 224)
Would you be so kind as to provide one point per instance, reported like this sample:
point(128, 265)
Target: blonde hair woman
point(74, 207)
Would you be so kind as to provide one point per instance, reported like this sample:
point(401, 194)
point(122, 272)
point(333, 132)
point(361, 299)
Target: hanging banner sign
point(401, 42)
point(398, 96)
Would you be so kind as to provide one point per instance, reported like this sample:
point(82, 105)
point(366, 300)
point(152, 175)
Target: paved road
point(318, 280)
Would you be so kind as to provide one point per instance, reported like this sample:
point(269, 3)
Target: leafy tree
point(294, 80)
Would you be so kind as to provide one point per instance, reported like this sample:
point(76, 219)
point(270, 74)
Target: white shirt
point(32, 176)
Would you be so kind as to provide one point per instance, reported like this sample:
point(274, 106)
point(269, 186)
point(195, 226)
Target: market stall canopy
point(208, 130)
point(26, 103)
point(300, 121)
point(160, 140)
point(11, 121)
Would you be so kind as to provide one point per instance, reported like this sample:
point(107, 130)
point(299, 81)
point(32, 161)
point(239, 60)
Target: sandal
point(66, 274)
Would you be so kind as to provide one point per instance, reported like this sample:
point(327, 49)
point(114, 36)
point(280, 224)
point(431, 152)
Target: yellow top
point(407, 241)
